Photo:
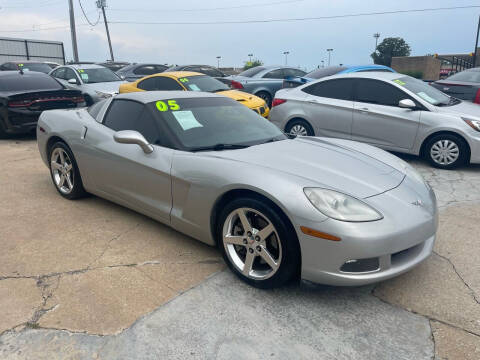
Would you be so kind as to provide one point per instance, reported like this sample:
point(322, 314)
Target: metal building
point(25, 49)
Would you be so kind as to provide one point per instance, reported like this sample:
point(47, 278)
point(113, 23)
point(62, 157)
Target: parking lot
point(92, 280)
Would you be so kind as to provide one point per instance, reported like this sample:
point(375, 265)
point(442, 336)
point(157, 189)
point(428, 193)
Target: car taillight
point(477, 97)
point(19, 103)
point(236, 85)
point(78, 99)
point(276, 102)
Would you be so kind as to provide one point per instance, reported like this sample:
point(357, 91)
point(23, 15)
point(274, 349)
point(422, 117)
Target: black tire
point(295, 124)
point(265, 96)
point(77, 191)
point(288, 255)
point(3, 133)
point(432, 146)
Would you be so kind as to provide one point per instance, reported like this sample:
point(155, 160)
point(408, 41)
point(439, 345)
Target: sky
point(351, 38)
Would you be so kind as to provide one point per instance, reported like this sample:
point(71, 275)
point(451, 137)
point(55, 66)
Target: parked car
point(114, 65)
point(24, 95)
point(192, 81)
point(52, 64)
point(336, 211)
point(96, 82)
point(332, 70)
point(464, 85)
point(263, 81)
point(137, 71)
point(203, 69)
point(388, 110)
point(26, 66)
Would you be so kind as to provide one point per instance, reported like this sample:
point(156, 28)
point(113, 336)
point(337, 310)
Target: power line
point(264, 21)
point(86, 17)
point(210, 9)
point(296, 19)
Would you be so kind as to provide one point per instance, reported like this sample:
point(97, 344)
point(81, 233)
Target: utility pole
point(218, 61)
point(102, 4)
point(329, 52)
point(250, 56)
point(376, 36)
point(323, 63)
point(476, 44)
point(286, 54)
point(73, 32)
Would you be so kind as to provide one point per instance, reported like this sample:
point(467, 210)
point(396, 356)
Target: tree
point(251, 64)
point(389, 48)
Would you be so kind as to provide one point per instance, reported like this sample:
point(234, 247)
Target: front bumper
point(400, 241)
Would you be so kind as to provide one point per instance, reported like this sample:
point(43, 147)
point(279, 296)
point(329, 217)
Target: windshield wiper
point(219, 147)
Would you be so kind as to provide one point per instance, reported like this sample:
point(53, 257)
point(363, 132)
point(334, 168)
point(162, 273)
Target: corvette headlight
point(340, 206)
point(103, 95)
point(474, 124)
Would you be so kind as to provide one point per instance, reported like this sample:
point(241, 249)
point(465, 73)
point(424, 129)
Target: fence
point(24, 49)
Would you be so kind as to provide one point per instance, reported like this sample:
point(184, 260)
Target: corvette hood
point(330, 164)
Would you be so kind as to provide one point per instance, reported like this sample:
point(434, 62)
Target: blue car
point(316, 74)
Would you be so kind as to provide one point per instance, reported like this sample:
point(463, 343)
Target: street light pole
point(286, 54)
point(476, 44)
point(73, 32)
point(102, 4)
point(218, 62)
point(329, 52)
point(376, 36)
point(250, 56)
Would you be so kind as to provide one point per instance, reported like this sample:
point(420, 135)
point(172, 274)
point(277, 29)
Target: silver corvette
point(332, 211)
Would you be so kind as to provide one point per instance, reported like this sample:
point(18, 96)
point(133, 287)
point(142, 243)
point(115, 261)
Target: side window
point(378, 92)
point(70, 74)
point(341, 89)
point(294, 72)
point(10, 66)
point(145, 70)
point(160, 68)
point(148, 84)
point(59, 73)
point(159, 83)
point(131, 115)
point(210, 71)
point(274, 74)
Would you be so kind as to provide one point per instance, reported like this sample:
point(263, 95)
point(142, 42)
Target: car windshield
point(252, 72)
point(423, 90)
point(203, 83)
point(203, 123)
point(322, 72)
point(97, 75)
point(28, 82)
point(470, 76)
point(40, 67)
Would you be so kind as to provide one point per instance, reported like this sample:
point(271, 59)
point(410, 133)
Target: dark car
point(203, 69)
point(316, 74)
point(114, 65)
point(464, 85)
point(24, 95)
point(137, 71)
point(26, 66)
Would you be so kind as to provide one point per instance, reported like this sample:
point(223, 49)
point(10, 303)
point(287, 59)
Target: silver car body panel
point(387, 127)
point(181, 189)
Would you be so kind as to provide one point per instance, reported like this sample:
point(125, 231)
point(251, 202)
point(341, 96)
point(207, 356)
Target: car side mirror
point(122, 77)
point(72, 81)
point(133, 137)
point(407, 104)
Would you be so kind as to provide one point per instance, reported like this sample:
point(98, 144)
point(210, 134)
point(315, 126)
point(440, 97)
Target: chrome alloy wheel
point(298, 130)
point(252, 243)
point(444, 152)
point(62, 170)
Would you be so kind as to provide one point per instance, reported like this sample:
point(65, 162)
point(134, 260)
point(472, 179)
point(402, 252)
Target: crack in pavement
point(472, 292)
point(433, 339)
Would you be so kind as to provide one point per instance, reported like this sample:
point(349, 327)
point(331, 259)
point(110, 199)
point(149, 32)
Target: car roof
point(179, 74)
point(365, 67)
point(379, 75)
point(151, 96)
point(24, 62)
point(86, 66)
point(14, 73)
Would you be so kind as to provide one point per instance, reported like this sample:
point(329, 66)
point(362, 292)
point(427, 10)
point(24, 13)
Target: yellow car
point(193, 81)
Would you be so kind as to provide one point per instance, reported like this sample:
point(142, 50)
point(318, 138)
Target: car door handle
point(313, 101)
point(364, 110)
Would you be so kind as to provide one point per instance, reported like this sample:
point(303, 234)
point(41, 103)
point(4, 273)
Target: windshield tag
point(186, 119)
point(84, 76)
point(183, 80)
point(194, 87)
point(399, 82)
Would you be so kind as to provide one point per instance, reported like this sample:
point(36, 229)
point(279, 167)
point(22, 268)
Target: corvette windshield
point(424, 91)
point(210, 122)
point(97, 75)
point(203, 83)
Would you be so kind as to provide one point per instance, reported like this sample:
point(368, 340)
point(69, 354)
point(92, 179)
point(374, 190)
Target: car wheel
point(299, 127)
point(446, 151)
point(3, 133)
point(257, 244)
point(64, 172)
point(265, 96)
